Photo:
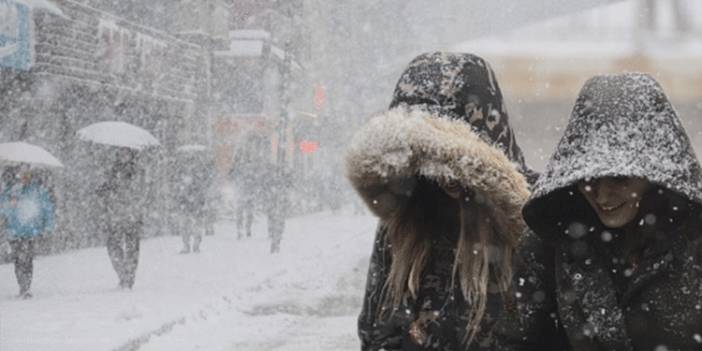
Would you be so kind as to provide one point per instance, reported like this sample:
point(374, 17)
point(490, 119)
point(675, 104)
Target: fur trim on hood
point(404, 143)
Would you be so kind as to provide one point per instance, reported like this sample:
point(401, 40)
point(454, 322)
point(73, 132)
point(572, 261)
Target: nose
point(603, 189)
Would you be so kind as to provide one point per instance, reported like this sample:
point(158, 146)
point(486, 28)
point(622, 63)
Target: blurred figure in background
point(278, 182)
point(246, 174)
point(28, 209)
point(192, 191)
point(123, 198)
point(211, 204)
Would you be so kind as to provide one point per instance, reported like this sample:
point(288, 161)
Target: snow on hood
point(621, 125)
point(118, 134)
point(462, 87)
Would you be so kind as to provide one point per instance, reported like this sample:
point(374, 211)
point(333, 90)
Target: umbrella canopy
point(21, 152)
point(191, 148)
point(118, 134)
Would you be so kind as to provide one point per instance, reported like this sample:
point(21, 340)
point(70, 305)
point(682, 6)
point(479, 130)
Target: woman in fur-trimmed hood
point(443, 172)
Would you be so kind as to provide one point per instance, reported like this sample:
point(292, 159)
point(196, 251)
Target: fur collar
point(405, 143)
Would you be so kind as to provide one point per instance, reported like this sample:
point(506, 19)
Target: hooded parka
point(621, 292)
point(447, 123)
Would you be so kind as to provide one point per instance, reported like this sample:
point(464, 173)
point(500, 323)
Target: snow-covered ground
point(234, 295)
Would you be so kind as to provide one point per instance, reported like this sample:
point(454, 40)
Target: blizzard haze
point(210, 135)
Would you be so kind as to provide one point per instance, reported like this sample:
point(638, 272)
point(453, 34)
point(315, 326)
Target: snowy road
point(232, 296)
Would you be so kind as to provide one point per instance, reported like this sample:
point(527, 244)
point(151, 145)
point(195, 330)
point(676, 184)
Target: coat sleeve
point(378, 332)
point(530, 319)
point(144, 196)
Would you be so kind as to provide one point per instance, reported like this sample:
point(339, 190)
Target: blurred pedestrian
point(213, 199)
point(123, 196)
point(278, 181)
point(28, 209)
point(192, 193)
point(246, 175)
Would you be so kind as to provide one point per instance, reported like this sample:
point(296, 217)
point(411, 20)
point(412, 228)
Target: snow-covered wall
point(95, 46)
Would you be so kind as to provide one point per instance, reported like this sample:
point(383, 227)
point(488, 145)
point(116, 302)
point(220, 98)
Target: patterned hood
point(621, 125)
point(462, 87)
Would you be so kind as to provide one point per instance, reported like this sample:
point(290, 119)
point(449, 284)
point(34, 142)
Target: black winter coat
point(447, 122)
point(123, 196)
point(651, 298)
point(530, 321)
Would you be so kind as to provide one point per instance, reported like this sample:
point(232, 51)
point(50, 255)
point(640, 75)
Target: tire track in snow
point(136, 343)
point(328, 324)
point(298, 319)
point(224, 304)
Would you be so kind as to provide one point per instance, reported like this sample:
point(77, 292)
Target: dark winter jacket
point(248, 171)
point(624, 126)
point(123, 195)
point(192, 188)
point(276, 185)
point(447, 122)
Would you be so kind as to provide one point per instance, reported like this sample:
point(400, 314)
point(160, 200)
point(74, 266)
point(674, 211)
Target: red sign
point(320, 97)
point(308, 147)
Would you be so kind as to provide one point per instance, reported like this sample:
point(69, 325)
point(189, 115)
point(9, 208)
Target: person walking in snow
point(213, 199)
point(442, 171)
point(275, 197)
point(246, 175)
point(28, 210)
point(192, 192)
point(621, 201)
point(122, 196)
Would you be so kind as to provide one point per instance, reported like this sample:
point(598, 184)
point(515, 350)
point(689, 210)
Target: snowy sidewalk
point(232, 296)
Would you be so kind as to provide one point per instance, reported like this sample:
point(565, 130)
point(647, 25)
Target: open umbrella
point(191, 148)
point(118, 134)
point(21, 152)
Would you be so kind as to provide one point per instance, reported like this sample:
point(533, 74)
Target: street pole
point(284, 104)
point(276, 221)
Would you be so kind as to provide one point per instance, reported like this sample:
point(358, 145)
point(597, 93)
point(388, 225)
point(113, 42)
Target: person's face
point(25, 177)
point(124, 156)
point(614, 199)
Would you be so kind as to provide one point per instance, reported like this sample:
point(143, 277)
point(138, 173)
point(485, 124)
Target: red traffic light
point(308, 147)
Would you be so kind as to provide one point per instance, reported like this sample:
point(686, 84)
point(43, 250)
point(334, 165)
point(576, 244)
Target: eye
point(453, 186)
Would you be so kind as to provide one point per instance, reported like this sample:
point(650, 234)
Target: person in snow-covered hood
point(122, 196)
point(620, 199)
point(443, 172)
point(28, 209)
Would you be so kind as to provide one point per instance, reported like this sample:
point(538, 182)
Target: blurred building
point(542, 67)
point(258, 80)
point(94, 61)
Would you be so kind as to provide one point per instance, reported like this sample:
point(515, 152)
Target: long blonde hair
point(483, 251)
